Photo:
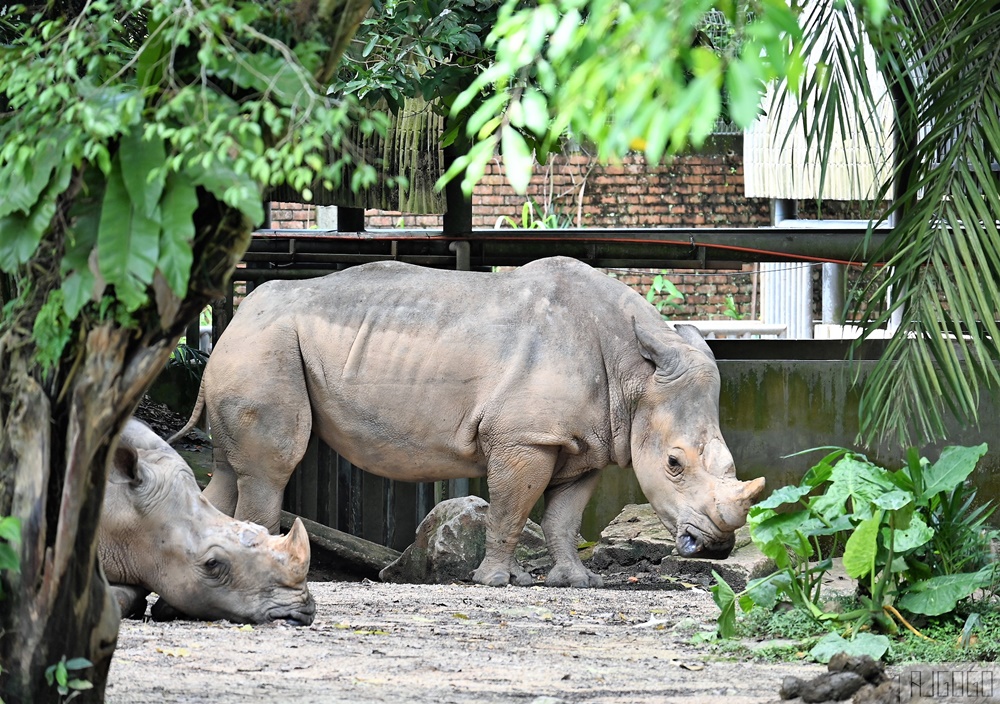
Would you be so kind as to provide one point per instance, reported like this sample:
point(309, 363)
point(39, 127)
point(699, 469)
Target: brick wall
point(694, 190)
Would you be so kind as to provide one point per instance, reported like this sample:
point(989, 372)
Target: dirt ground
point(429, 644)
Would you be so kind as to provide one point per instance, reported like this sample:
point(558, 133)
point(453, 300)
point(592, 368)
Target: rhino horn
point(751, 490)
point(296, 545)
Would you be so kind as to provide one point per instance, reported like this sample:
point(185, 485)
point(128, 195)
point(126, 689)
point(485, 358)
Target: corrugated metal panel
point(786, 297)
point(776, 168)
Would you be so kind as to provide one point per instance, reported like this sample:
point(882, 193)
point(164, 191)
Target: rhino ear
point(693, 337)
point(124, 466)
point(654, 348)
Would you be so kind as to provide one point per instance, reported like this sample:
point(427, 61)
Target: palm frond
point(945, 247)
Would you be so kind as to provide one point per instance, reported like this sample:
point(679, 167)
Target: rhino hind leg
point(564, 504)
point(516, 480)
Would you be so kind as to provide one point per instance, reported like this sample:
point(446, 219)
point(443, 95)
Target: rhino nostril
point(687, 545)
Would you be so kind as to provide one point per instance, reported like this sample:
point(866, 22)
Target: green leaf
point(784, 495)
point(725, 599)
point(10, 528)
point(859, 553)
point(893, 500)
point(852, 479)
point(9, 559)
point(128, 242)
point(940, 595)
point(237, 190)
point(78, 664)
point(22, 183)
point(140, 159)
point(745, 91)
point(517, 159)
point(180, 200)
point(953, 467)
point(917, 533)
point(863, 644)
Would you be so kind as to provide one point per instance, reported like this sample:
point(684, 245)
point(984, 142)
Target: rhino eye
point(215, 567)
point(674, 465)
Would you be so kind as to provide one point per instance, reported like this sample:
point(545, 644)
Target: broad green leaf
point(939, 595)
point(854, 479)
point(10, 528)
point(745, 92)
point(892, 500)
point(861, 547)
point(20, 234)
point(22, 184)
point(235, 190)
point(517, 160)
point(784, 495)
point(536, 112)
point(179, 203)
point(953, 467)
point(78, 664)
point(917, 533)
point(8, 558)
point(139, 159)
point(862, 644)
point(725, 599)
point(78, 290)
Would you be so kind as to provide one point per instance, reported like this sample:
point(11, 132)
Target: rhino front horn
point(296, 544)
point(752, 490)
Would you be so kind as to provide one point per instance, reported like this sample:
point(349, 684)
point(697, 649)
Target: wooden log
point(341, 555)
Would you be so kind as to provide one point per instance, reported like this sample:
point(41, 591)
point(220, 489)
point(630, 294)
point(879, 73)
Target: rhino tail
point(199, 406)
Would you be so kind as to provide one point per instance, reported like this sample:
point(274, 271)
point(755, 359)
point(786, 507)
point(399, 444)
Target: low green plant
point(664, 294)
point(534, 217)
point(731, 310)
point(65, 677)
point(913, 539)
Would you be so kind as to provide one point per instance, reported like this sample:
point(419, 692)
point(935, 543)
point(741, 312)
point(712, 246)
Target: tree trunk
point(57, 432)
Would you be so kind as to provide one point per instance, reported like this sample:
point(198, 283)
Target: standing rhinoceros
point(159, 533)
point(535, 379)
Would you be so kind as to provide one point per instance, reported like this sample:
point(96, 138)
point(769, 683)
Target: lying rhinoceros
point(159, 533)
point(535, 379)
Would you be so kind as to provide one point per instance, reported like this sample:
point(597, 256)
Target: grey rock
point(832, 686)
point(451, 542)
point(635, 534)
point(791, 687)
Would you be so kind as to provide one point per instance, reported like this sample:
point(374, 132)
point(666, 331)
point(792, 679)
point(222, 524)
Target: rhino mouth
point(301, 615)
point(693, 543)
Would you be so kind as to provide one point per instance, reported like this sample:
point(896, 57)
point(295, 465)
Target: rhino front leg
point(564, 504)
point(516, 481)
point(131, 599)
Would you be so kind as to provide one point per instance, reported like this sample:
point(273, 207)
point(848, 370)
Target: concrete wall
point(772, 408)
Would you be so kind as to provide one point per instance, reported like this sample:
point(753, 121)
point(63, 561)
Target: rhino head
point(158, 531)
point(680, 459)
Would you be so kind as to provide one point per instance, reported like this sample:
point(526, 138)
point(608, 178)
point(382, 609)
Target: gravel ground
point(431, 644)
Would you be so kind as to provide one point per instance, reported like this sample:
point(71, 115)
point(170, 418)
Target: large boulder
point(451, 542)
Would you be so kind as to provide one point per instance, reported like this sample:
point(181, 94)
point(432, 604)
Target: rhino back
point(417, 373)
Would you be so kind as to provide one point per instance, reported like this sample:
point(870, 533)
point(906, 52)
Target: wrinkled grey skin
point(535, 379)
point(159, 533)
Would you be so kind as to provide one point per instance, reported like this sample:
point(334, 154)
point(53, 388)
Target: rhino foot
point(502, 576)
point(573, 576)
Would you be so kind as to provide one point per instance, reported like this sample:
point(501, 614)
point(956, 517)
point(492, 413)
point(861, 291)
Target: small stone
point(872, 670)
point(791, 687)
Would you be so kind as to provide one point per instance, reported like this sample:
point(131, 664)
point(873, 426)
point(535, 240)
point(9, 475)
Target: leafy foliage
point(65, 677)
point(884, 521)
point(120, 122)
point(663, 293)
point(408, 48)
